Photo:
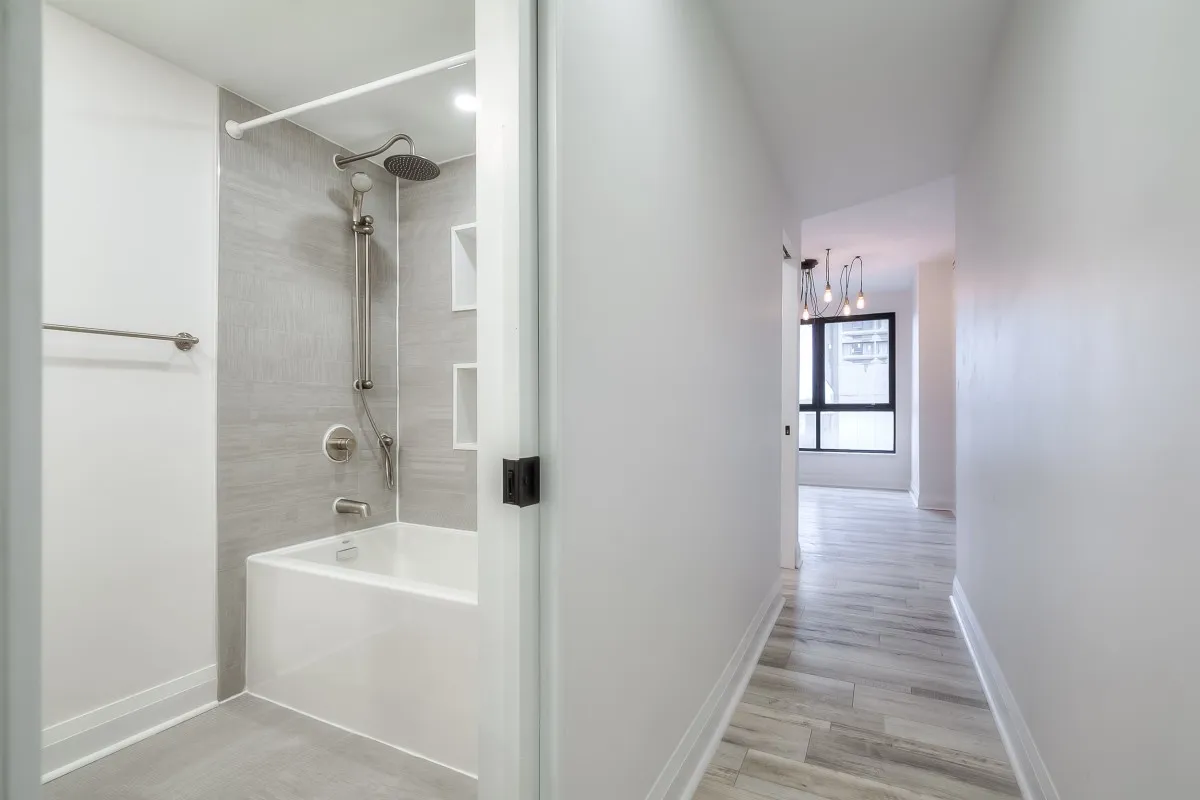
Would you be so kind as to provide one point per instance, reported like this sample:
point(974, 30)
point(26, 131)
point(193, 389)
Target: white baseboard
point(81, 740)
point(682, 773)
point(931, 503)
point(873, 486)
point(1027, 762)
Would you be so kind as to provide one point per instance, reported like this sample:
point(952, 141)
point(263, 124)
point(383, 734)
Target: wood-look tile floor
point(865, 690)
point(251, 749)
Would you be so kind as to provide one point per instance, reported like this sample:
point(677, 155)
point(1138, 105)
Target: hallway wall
point(1078, 428)
point(933, 385)
point(661, 385)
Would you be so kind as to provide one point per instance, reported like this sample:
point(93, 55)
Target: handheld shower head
point(361, 183)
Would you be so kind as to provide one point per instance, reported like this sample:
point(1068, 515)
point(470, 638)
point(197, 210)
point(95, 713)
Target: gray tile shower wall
point(285, 353)
point(436, 482)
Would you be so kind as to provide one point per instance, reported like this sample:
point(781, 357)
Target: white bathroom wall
point(661, 354)
point(1077, 423)
point(129, 597)
point(933, 385)
point(874, 470)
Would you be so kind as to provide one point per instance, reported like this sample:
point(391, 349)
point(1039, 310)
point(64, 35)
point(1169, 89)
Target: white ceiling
point(892, 234)
point(278, 53)
point(862, 98)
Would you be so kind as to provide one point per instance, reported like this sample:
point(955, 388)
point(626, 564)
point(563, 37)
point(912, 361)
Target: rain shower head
point(412, 167)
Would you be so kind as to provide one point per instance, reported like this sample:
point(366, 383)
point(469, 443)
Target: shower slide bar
point(236, 129)
point(184, 341)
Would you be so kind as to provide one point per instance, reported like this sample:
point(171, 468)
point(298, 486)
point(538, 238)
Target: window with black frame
point(848, 384)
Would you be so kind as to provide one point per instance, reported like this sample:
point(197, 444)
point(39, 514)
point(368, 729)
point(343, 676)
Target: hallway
point(865, 690)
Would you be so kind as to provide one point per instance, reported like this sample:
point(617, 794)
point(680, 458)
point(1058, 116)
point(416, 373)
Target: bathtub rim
point(283, 558)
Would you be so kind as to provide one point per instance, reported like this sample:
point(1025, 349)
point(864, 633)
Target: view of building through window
point(855, 357)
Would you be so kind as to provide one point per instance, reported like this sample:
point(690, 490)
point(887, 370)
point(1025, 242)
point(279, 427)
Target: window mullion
point(818, 376)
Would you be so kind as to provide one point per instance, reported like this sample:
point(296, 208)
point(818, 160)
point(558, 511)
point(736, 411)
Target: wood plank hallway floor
point(865, 690)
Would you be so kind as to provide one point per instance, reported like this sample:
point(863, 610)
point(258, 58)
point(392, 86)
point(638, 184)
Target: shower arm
point(341, 162)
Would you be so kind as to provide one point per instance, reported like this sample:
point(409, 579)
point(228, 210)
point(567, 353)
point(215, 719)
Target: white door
point(506, 148)
point(20, 398)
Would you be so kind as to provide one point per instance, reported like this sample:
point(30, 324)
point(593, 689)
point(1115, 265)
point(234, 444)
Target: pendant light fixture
point(862, 298)
point(824, 307)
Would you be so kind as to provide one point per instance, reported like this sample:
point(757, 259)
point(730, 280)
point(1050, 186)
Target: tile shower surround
point(285, 354)
point(437, 484)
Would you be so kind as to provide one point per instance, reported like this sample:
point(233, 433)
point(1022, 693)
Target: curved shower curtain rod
point(236, 129)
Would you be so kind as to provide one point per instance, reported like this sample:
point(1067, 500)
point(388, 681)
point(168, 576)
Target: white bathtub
point(376, 632)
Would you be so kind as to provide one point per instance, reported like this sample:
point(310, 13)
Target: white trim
point(940, 504)
point(455, 240)
point(683, 772)
point(789, 545)
point(507, 352)
point(549, 399)
point(864, 486)
point(455, 442)
point(81, 740)
point(1027, 762)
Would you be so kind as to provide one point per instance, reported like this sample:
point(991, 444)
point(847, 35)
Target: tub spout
point(344, 505)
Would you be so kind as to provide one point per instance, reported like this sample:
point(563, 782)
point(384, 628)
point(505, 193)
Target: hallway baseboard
point(79, 741)
point(1027, 763)
point(682, 773)
point(931, 504)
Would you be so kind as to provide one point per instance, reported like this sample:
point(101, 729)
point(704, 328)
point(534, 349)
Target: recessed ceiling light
point(467, 102)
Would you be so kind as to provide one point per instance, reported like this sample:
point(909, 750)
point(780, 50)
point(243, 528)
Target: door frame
point(789, 544)
point(20, 399)
point(506, 160)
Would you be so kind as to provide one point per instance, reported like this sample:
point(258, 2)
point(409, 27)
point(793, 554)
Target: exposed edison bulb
point(804, 315)
point(828, 293)
point(846, 307)
point(862, 301)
